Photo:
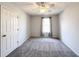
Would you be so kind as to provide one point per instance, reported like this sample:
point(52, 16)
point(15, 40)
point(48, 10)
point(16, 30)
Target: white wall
point(28, 26)
point(24, 27)
point(55, 26)
point(35, 26)
point(36, 23)
point(69, 22)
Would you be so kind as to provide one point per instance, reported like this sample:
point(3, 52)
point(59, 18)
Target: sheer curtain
point(46, 27)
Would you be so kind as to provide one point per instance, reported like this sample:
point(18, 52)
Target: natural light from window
point(46, 25)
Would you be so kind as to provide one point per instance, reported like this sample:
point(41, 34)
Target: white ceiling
point(31, 8)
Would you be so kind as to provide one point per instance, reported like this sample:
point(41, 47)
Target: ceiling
point(32, 9)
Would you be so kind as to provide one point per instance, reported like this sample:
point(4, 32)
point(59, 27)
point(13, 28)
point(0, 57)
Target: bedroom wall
point(35, 26)
point(36, 23)
point(69, 24)
point(55, 26)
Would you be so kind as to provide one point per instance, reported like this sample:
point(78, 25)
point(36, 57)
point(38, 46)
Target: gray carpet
point(42, 47)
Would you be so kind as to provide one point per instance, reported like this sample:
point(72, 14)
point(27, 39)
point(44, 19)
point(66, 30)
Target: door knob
point(4, 36)
point(17, 29)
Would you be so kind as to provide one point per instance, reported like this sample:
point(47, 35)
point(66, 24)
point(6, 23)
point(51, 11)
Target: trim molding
point(43, 37)
point(70, 48)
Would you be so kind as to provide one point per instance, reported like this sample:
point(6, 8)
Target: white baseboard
point(71, 49)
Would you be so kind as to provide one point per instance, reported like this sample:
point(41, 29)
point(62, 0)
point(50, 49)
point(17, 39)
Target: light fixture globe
point(44, 6)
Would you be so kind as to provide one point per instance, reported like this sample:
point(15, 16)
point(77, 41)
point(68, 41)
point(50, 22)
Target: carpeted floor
point(42, 47)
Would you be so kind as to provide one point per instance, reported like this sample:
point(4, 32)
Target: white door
point(3, 33)
point(8, 31)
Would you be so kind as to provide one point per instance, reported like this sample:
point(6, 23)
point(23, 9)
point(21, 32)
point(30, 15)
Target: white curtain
point(46, 27)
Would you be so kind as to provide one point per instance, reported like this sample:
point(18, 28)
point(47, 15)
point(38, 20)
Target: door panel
point(11, 31)
point(8, 28)
point(14, 30)
point(3, 32)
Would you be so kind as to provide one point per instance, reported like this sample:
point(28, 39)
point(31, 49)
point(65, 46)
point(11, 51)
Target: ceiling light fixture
point(44, 6)
point(43, 9)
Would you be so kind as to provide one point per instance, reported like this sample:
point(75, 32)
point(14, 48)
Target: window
point(46, 26)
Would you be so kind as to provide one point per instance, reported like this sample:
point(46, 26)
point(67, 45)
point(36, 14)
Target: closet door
point(9, 31)
point(14, 32)
point(3, 32)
